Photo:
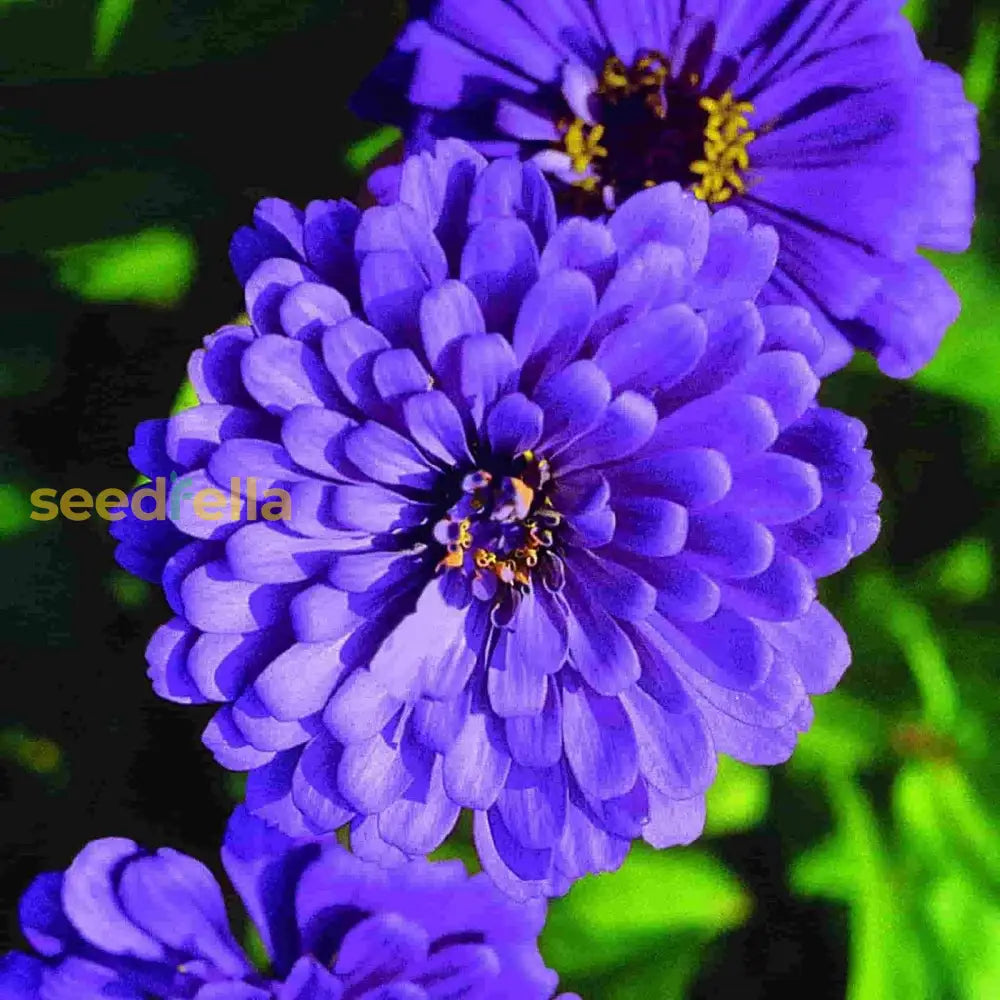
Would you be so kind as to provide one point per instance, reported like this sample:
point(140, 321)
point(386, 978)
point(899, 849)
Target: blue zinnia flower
point(819, 118)
point(559, 495)
point(125, 922)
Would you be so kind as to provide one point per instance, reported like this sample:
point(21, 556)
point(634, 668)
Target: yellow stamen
point(583, 143)
point(453, 559)
point(727, 135)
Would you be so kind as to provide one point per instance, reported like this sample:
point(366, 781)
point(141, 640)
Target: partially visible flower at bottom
point(134, 924)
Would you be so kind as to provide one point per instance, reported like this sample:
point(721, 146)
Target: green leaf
point(185, 399)
point(941, 816)
point(886, 961)
point(606, 920)
point(965, 571)
point(665, 972)
point(365, 151)
point(846, 735)
point(110, 19)
point(738, 798)
point(916, 11)
point(152, 267)
point(911, 626)
point(966, 364)
point(826, 870)
point(981, 71)
point(967, 926)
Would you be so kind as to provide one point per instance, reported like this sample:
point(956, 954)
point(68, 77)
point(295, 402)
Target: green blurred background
point(135, 136)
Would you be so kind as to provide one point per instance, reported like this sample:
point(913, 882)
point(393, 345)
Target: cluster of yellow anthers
point(582, 141)
point(455, 555)
point(516, 566)
point(648, 74)
point(727, 134)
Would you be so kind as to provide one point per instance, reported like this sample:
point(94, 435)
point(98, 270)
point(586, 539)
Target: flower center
point(503, 523)
point(652, 128)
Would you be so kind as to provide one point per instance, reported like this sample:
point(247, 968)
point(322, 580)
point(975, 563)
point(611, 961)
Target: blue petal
point(514, 425)
point(676, 754)
point(650, 526)
point(500, 264)
point(389, 458)
point(673, 822)
point(536, 740)
point(599, 742)
point(654, 351)
point(574, 400)
point(392, 285)
point(380, 948)
point(728, 546)
point(598, 648)
point(177, 899)
point(349, 350)
point(507, 188)
point(360, 708)
point(448, 313)
point(281, 374)
point(315, 792)
point(581, 245)
point(373, 774)
point(515, 683)
point(739, 261)
point(216, 601)
point(310, 307)
point(533, 805)
point(328, 239)
point(500, 33)
point(430, 651)
point(553, 324)
point(487, 370)
point(437, 427)
point(266, 289)
point(629, 422)
point(419, 821)
point(299, 682)
point(666, 215)
point(477, 763)
point(400, 228)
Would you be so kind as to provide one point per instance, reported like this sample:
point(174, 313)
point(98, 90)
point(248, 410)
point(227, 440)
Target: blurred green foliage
point(110, 18)
point(153, 267)
point(363, 154)
point(37, 755)
point(15, 510)
point(659, 911)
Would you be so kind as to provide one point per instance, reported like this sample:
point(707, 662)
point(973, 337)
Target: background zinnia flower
point(126, 922)
point(821, 119)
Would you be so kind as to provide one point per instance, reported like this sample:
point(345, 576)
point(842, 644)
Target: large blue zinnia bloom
point(559, 495)
point(134, 924)
point(819, 118)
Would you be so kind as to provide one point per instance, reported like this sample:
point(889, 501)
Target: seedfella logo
point(246, 502)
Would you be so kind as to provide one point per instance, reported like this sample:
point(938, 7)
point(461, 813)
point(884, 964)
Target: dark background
point(196, 111)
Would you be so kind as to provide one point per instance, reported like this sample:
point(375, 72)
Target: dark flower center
point(503, 523)
point(653, 127)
